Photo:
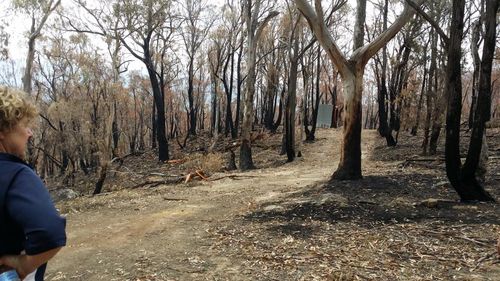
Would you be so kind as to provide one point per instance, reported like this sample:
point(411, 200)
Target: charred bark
point(350, 157)
point(463, 179)
point(310, 134)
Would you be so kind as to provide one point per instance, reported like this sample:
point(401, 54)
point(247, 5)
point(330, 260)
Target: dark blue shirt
point(28, 219)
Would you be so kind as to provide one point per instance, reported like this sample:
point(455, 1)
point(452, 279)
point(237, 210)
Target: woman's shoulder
point(11, 170)
point(11, 161)
point(17, 172)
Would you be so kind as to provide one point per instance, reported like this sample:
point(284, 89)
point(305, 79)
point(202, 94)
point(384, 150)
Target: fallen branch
point(424, 159)
point(176, 161)
point(232, 177)
point(197, 173)
point(433, 203)
point(159, 182)
point(472, 240)
point(479, 261)
point(174, 199)
point(427, 159)
point(142, 174)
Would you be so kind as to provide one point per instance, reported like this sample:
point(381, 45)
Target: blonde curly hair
point(14, 106)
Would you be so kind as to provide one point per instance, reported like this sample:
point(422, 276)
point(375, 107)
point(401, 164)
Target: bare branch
point(321, 32)
point(263, 24)
point(363, 54)
point(432, 22)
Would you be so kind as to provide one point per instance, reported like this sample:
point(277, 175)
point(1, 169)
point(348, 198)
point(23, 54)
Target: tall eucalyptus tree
point(351, 70)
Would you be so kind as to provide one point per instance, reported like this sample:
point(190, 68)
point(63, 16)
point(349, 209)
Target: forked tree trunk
point(351, 71)
point(463, 179)
point(35, 31)
point(350, 154)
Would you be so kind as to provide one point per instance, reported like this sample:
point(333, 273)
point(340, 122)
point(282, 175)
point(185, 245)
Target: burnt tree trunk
point(463, 179)
point(399, 79)
point(414, 129)
point(239, 83)
point(229, 126)
point(291, 103)
point(310, 134)
point(430, 101)
point(476, 30)
point(350, 156)
point(280, 112)
point(438, 115)
point(333, 94)
point(383, 127)
point(160, 111)
point(351, 71)
point(190, 94)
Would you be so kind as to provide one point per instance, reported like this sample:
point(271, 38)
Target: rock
point(273, 208)
point(63, 194)
point(400, 201)
point(337, 199)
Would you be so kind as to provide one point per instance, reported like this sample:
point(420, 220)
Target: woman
point(31, 229)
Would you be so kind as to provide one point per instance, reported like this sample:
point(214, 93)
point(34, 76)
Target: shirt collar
point(10, 157)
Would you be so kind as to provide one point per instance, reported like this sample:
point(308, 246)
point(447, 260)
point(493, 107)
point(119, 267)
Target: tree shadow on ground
point(372, 202)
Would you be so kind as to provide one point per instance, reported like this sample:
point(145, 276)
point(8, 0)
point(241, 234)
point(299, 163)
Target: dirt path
point(289, 223)
point(162, 233)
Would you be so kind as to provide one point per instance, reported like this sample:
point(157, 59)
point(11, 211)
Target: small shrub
point(209, 163)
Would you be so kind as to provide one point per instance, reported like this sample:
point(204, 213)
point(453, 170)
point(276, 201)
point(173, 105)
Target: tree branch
point(363, 54)
point(263, 24)
point(324, 37)
point(432, 22)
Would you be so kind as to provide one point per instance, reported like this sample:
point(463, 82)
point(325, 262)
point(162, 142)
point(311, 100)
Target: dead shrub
point(209, 163)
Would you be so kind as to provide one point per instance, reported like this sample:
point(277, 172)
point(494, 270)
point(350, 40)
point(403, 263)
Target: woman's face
point(15, 140)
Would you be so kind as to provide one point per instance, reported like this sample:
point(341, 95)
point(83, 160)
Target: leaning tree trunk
point(27, 77)
point(46, 8)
